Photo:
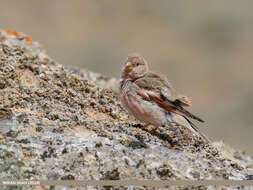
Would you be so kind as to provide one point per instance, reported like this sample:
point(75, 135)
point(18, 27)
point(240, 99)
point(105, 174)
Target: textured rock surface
point(61, 122)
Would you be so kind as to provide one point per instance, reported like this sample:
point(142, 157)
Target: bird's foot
point(145, 126)
point(153, 131)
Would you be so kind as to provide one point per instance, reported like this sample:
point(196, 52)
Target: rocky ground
point(59, 122)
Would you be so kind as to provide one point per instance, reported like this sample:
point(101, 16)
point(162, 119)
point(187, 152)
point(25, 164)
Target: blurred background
point(205, 48)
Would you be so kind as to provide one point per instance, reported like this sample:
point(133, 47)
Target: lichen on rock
point(60, 122)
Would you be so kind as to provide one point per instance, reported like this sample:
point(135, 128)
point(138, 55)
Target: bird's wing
point(153, 82)
point(153, 87)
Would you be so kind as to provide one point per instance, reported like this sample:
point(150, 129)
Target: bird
point(151, 99)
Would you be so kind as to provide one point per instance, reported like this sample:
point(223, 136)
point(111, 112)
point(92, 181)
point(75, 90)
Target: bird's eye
point(137, 64)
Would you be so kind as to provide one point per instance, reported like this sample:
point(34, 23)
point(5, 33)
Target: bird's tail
point(188, 114)
point(185, 122)
point(195, 130)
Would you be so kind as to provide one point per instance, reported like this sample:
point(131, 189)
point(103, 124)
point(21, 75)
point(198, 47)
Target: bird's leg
point(153, 131)
point(146, 125)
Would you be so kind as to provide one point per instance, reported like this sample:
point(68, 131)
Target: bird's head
point(135, 66)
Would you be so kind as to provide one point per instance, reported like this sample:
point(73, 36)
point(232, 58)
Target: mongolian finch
point(152, 99)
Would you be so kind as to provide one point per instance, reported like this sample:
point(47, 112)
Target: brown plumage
point(164, 94)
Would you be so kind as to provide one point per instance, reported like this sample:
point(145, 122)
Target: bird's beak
point(128, 67)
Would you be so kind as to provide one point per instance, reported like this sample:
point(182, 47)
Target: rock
point(61, 122)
